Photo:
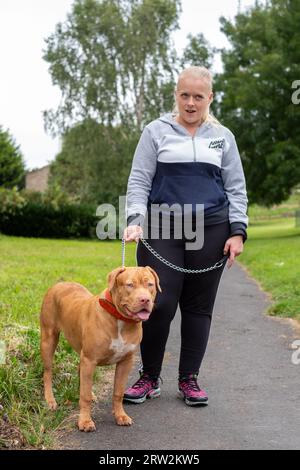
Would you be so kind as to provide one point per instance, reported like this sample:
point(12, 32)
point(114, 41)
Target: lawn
point(285, 209)
point(28, 267)
point(272, 257)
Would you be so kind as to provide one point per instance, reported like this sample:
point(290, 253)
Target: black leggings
point(195, 294)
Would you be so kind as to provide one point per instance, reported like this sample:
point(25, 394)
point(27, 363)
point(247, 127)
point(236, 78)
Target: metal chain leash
point(217, 265)
point(123, 252)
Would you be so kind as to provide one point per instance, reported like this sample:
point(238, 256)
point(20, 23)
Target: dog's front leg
point(121, 376)
point(87, 368)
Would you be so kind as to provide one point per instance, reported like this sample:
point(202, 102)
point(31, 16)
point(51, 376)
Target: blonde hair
point(204, 74)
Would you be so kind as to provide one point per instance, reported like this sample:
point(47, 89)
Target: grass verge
point(28, 267)
point(272, 257)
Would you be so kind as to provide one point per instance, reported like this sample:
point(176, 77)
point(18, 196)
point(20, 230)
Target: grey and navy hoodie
point(170, 166)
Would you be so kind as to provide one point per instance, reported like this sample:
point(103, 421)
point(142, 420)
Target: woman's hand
point(234, 245)
point(132, 233)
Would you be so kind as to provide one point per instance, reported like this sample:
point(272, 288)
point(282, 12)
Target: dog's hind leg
point(49, 340)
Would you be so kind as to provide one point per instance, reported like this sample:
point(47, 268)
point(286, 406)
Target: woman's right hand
point(132, 233)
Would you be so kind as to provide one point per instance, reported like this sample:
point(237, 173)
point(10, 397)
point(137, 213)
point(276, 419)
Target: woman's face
point(193, 97)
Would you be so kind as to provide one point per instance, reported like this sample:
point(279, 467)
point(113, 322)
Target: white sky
point(25, 84)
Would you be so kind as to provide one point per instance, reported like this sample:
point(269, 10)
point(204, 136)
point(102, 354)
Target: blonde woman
point(185, 158)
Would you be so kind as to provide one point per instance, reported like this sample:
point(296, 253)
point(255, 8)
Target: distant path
point(253, 387)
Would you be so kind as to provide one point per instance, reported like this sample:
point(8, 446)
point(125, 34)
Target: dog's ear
point(112, 276)
point(155, 277)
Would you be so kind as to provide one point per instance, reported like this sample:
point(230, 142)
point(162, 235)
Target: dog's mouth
point(142, 314)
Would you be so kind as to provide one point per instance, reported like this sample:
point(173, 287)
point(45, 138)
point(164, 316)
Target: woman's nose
point(191, 100)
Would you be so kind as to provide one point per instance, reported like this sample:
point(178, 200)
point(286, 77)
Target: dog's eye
point(150, 284)
point(129, 284)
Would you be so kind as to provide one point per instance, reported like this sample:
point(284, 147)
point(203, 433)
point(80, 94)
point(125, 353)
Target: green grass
point(272, 257)
point(28, 267)
point(286, 209)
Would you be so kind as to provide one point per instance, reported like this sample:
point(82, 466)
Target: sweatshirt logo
point(217, 144)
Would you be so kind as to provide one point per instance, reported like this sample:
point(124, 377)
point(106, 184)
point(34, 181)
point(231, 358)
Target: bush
point(10, 201)
point(34, 215)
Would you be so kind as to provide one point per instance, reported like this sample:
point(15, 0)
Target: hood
point(169, 119)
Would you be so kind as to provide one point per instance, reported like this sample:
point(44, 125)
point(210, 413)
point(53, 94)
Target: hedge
point(40, 220)
point(27, 217)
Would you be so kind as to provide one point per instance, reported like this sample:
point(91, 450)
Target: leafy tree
point(255, 93)
point(114, 63)
point(198, 52)
point(111, 59)
point(12, 169)
point(94, 163)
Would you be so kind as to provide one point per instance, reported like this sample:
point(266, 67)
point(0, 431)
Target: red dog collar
point(109, 306)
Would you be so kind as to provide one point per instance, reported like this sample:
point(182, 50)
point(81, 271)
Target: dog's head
point(133, 291)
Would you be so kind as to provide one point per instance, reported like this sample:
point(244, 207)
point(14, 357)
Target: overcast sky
point(25, 84)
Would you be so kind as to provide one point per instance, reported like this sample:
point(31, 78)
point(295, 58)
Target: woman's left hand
point(234, 245)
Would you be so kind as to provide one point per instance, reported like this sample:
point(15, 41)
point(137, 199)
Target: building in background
point(37, 180)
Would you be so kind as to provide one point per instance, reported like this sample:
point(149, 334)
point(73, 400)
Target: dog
point(103, 329)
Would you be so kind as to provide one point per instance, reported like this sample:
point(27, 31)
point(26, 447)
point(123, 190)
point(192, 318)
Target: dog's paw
point(86, 425)
point(124, 420)
point(52, 405)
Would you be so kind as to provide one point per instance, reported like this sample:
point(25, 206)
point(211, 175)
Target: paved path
point(253, 387)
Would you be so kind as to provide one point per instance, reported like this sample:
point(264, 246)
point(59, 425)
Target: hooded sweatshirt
point(172, 167)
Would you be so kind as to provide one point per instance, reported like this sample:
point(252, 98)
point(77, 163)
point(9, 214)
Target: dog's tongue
point(143, 315)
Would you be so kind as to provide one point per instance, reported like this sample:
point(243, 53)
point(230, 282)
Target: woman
point(186, 158)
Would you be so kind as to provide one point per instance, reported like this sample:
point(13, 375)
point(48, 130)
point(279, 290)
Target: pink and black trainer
point(145, 387)
point(190, 392)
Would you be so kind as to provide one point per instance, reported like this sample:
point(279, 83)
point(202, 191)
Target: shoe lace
point(143, 380)
point(154, 378)
point(190, 383)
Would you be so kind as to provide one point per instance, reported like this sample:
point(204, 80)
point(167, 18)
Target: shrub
point(34, 215)
point(11, 201)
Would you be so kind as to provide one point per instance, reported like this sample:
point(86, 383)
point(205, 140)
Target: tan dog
point(103, 329)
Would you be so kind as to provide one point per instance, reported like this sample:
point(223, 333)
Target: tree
point(94, 163)
point(111, 59)
point(12, 168)
point(198, 52)
point(114, 62)
point(255, 93)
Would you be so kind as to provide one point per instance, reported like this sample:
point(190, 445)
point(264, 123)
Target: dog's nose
point(144, 300)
